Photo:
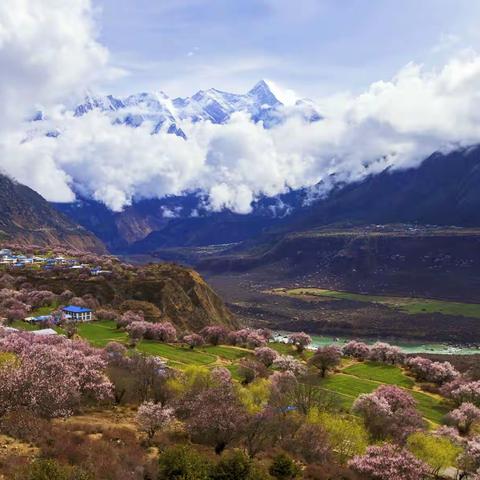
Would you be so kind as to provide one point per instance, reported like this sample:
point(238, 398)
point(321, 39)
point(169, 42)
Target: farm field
point(408, 305)
point(348, 385)
point(351, 379)
point(379, 372)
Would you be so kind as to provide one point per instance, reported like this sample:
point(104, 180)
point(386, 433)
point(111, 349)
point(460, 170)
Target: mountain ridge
point(27, 218)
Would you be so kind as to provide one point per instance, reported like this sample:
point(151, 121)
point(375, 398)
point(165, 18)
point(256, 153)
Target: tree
point(470, 459)
point(136, 331)
point(129, 317)
point(215, 416)
point(183, 463)
point(309, 442)
point(287, 363)
point(358, 350)
point(114, 353)
point(461, 392)
point(389, 462)
point(51, 379)
point(266, 355)
point(70, 329)
point(193, 340)
point(283, 467)
point(326, 358)
point(388, 411)
point(163, 332)
point(436, 372)
point(150, 373)
point(301, 340)
point(437, 452)
point(386, 353)
point(214, 334)
point(151, 417)
point(464, 417)
point(250, 369)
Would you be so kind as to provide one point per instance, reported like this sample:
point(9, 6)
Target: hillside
point(172, 293)
point(441, 191)
point(26, 218)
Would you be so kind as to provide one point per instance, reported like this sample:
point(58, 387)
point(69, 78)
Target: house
point(77, 314)
point(5, 251)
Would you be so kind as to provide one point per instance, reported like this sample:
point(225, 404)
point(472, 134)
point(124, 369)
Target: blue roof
point(75, 309)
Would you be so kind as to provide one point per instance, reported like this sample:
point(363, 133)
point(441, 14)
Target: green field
point(101, 332)
point(352, 380)
point(349, 386)
point(380, 372)
point(405, 304)
point(176, 353)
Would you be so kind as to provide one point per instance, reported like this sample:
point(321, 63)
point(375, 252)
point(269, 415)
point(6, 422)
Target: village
point(11, 260)
point(20, 260)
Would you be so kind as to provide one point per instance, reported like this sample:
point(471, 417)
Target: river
point(406, 345)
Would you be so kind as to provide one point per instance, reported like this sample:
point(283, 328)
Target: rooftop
point(75, 309)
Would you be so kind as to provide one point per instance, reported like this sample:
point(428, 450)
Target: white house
point(77, 314)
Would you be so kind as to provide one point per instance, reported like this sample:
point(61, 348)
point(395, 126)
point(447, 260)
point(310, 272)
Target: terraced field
point(351, 380)
point(365, 378)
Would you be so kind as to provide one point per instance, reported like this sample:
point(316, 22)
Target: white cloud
point(50, 52)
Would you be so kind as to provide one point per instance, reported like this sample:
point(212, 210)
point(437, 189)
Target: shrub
point(437, 452)
point(234, 465)
point(283, 467)
point(183, 463)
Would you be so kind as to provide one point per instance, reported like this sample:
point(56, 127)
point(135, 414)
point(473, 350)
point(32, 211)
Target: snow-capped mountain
point(163, 113)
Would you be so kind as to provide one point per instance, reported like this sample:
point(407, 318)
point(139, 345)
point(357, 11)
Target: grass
point(380, 372)
point(408, 305)
point(176, 353)
point(99, 333)
point(21, 325)
point(348, 384)
point(359, 378)
point(226, 352)
point(38, 312)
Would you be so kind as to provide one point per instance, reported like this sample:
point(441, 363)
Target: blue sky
point(315, 47)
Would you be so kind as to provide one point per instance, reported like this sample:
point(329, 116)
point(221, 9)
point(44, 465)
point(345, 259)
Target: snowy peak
point(159, 113)
point(106, 103)
point(263, 94)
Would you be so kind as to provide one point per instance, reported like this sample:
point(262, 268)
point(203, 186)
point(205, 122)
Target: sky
point(394, 81)
point(315, 47)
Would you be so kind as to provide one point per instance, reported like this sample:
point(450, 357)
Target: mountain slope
point(442, 191)
point(27, 218)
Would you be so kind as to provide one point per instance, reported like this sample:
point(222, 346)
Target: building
point(77, 314)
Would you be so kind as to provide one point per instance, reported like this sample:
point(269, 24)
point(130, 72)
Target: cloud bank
point(50, 56)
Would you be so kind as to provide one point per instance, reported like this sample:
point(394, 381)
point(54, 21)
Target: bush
point(283, 467)
point(183, 463)
point(47, 470)
point(233, 466)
